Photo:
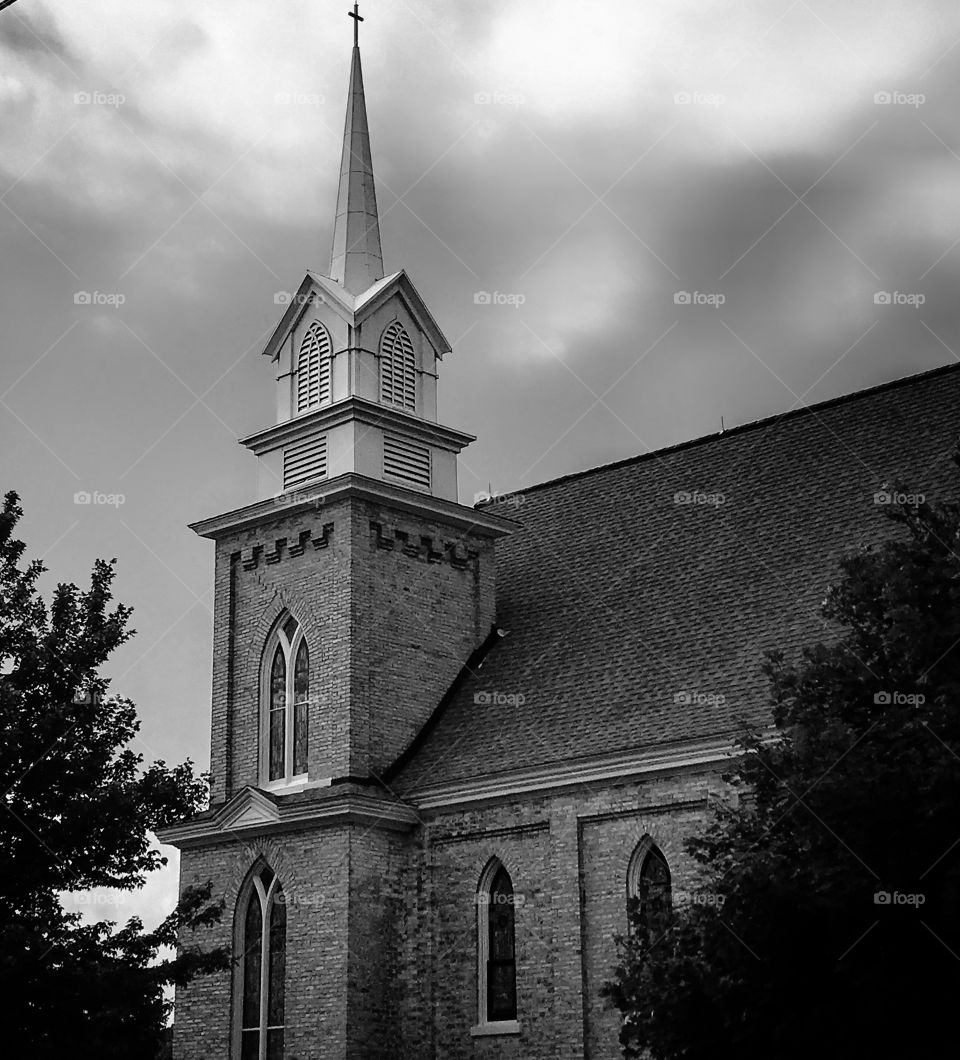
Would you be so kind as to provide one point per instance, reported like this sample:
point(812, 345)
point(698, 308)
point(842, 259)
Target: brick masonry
point(391, 606)
point(382, 926)
point(568, 857)
point(382, 923)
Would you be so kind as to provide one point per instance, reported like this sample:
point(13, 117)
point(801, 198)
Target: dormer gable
point(360, 337)
point(318, 290)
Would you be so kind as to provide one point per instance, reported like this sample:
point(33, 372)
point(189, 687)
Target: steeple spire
point(356, 260)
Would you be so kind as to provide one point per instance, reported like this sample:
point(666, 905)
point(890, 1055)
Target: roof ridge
point(804, 410)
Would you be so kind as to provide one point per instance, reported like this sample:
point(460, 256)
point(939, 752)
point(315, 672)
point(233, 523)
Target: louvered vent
point(313, 368)
point(398, 368)
point(406, 462)
point(305, 461)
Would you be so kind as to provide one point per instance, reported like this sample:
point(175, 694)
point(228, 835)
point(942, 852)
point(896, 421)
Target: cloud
point(596, 160)
point(152, 903)
point(12, 89)
point(30, 30)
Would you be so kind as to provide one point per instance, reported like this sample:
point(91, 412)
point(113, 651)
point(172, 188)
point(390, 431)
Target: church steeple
point(356, 260)
point(358, 356)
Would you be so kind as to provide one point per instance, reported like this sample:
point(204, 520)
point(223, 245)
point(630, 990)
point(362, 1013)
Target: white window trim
point(265, 897)
point(485, 1027)
point(637, 860)
point(646, 848)
point(290, 780)
point(484, 1030)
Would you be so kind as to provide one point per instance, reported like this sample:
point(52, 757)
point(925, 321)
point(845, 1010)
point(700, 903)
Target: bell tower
point(347, 600)
point(357, 536)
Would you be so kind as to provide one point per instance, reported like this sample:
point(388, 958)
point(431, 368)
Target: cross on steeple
point(357, 19)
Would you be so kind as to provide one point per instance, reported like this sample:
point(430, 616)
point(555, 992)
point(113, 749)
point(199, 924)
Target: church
point(448, 743)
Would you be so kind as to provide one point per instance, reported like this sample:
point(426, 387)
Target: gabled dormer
point(356, 356)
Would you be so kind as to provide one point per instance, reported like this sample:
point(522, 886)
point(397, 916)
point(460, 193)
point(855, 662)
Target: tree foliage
point(77, 808)
point(825, 920)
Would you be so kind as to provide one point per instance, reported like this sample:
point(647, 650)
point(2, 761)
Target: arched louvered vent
point(313, 368)
point(398, 368)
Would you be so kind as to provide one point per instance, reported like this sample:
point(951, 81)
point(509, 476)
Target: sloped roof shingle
point(619, 598)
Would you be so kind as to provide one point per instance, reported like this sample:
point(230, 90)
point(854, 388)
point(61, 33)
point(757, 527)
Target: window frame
point(644, 851)
point(486, 1026)
point(290, 648)
point(268, 896)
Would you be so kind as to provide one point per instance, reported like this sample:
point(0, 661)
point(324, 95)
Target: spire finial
point(357, 19)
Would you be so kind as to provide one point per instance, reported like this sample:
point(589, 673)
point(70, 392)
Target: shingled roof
point(638, 613)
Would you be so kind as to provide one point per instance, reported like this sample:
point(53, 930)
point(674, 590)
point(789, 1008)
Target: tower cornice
point(459, 516)
point(361, 410)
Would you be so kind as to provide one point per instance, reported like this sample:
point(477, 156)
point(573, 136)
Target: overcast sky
point(783, 163)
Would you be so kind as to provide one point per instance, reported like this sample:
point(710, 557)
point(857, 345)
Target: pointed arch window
point(313, 368)
point(496, 952)
point(398, 368)
point(286, 699)
point(649, 890)
point(261, 967)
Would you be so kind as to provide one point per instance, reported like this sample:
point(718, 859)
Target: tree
point(77, 807)
point(826, 919)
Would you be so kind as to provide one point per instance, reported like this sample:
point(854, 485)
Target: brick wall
point(382, 926)
point(312, 867)
point(423, 601)
point(610, 830)
point(255, 582)
point(376, 992)
point(567, 855)
point(392, 606)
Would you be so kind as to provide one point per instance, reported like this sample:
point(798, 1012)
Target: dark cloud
point(30, 30)
point(496, 203)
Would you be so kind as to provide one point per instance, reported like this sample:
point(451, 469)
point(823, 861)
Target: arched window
point(398, 368)
point(262, 922)
point(496, 945)
point(286, 698)
point(649, 893)
point(313, 368)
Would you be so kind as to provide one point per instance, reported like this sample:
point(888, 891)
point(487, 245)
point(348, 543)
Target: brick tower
point(348, 598)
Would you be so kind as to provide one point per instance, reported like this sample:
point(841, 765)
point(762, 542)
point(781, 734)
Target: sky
point(631, 221)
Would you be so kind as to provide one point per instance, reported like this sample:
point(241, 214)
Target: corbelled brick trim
point(452, 552)
point(274, 551)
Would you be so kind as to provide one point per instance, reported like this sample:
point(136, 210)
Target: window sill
point(286, 787)
point(485, 1030)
